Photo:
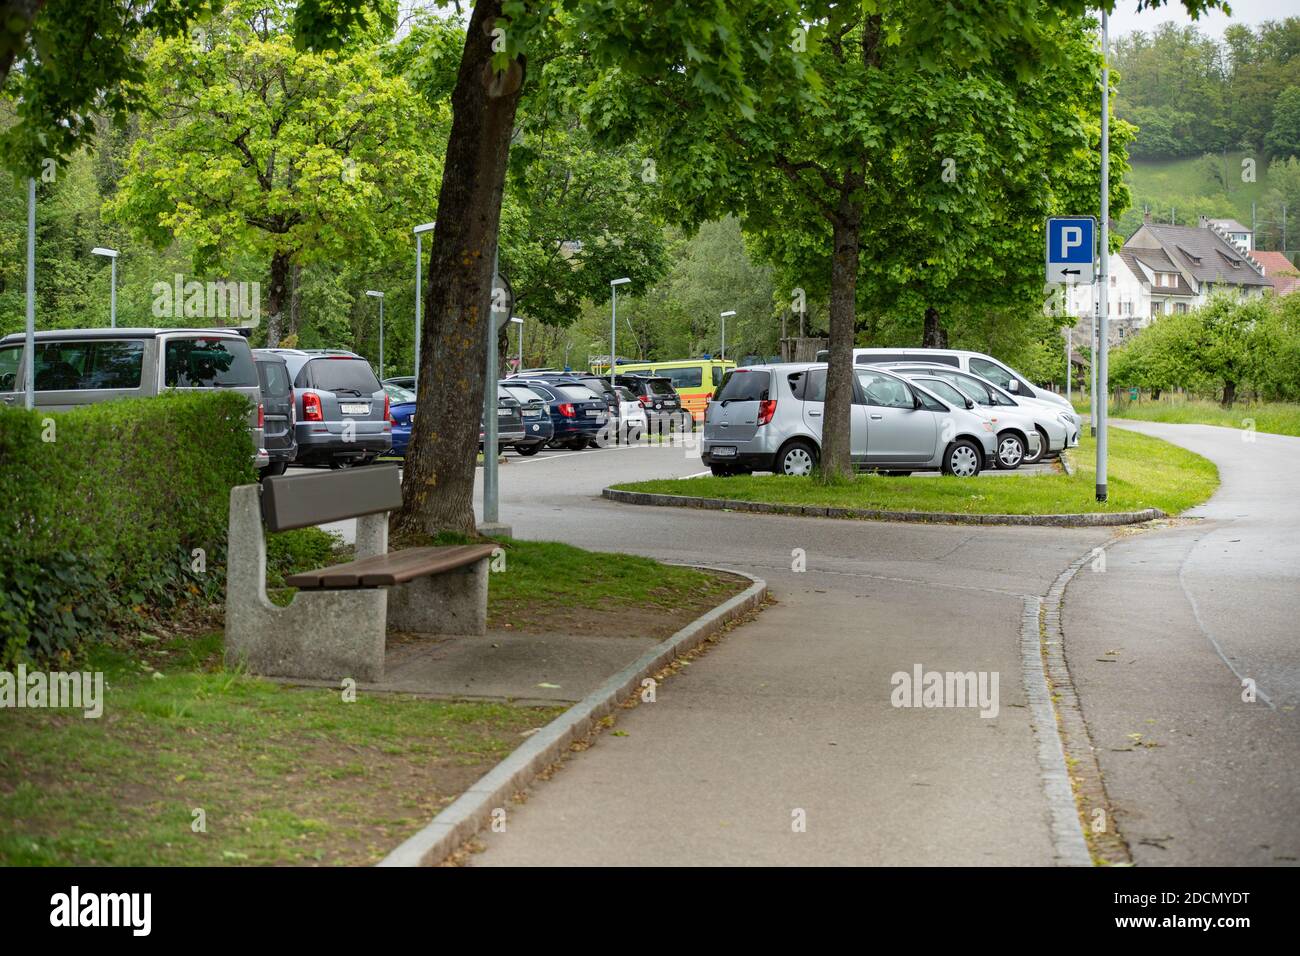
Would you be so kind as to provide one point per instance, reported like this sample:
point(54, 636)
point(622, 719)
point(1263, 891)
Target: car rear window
point(79, 366)
point(274, 377)
point(579, 393)
point(522, 393)
point(741, 385)
point(398, 395)
point(660, 387)
point(343, 375)
point(690, 377)
point(208, 363)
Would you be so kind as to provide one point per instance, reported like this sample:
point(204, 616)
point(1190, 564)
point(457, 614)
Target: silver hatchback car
point(768, 418)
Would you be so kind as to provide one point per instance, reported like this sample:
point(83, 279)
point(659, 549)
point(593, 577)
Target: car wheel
point(1042, 449)
point(1011, 451)
point(798, 458)
point(962, 459)
point(528, 450)
point(337, 464)
point(274, 469)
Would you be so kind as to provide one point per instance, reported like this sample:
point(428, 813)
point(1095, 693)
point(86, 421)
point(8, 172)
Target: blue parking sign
point(1071, 248)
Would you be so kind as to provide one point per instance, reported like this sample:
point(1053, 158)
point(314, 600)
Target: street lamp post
point(613, 323)
point(112, 255)
point(724, 333)
point(1103, 279)
point(519, 322)
point(419, 294)
point(30, 348)
point(380, 297)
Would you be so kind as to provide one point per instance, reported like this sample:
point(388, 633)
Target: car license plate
point(355, 408)
point(724, 451)
point(592, 413)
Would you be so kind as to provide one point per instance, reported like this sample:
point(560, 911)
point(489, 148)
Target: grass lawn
point(294, 775)
point(1279, 418)
point(1143, 472)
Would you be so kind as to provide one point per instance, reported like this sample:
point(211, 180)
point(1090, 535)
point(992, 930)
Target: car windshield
point(351, 375)
point(743, 385)
point(202, 362)
point(398, 395)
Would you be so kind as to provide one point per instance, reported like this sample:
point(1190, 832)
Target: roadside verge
point(1078, 520)
point(474, 808)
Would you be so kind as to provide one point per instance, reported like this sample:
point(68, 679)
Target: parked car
point(1053, 426)
point(76, 367)
point(695, 380)
point(578, 415)
point(401, 415)
point(977, 363)
point(768, 418)
point(633, 420)
point(510, 422)
point(279, 418)
point(404, 381)
point(341, 409)
point(536, 414)
point(658, 399)
point(1017, 438)
point(596, 383)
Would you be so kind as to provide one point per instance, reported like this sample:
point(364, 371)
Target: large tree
point(293, 156)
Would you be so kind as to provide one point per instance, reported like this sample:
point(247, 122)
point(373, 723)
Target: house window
point(1180, 307)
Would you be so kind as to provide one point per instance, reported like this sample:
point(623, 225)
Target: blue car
point(401, 415)
point(578, 414)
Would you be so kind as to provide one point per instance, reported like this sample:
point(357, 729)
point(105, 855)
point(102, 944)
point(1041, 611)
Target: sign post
point(1103, 299)
point(503, 301)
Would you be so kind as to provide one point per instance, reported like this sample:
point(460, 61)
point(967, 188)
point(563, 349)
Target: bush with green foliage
point(102, 508)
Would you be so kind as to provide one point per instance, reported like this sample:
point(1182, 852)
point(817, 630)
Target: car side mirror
point(1013, 386)
point(916, 401)
point(969, 403)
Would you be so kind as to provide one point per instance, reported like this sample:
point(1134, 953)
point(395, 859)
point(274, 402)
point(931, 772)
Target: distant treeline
point(1190, 93)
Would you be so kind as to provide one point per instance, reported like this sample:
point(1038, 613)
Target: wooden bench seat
point(388, 570)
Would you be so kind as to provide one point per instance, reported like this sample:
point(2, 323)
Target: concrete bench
point(335, 625)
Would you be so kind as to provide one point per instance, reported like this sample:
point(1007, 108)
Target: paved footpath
point(790, 716)
point(1158, 646)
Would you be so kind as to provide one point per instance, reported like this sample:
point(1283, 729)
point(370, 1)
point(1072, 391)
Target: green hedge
point(101, 508)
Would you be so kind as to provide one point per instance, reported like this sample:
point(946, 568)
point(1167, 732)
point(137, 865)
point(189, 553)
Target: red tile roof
point(1279, 270)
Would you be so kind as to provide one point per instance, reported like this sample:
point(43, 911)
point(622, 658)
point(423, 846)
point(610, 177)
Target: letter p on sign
point(1071, 238)
point(1070, 244)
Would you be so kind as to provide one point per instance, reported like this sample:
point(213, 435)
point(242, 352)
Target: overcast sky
point(1250, 12)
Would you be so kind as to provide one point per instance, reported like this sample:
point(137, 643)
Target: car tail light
point(766, 409)
point(261, 415)
point(645, 400)
point(565, 409)
point(388, 410)
point(311, 410)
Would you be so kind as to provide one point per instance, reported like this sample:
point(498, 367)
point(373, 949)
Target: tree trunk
point(276, 299)
point(934, 337)
point(1229, 394)
point(836, 460)
point(295, 301)
point(438, 484)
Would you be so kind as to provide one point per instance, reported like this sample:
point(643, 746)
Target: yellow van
point(694, 379)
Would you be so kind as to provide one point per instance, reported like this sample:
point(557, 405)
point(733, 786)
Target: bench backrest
point(298, 501)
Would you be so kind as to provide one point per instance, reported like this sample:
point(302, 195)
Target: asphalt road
point(790, 719)
point(1160, 642)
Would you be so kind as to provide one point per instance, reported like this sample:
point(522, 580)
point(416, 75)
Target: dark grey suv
point(341, 409)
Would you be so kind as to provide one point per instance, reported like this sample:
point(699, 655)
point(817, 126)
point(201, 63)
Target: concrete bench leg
point(325, 635)
point(454, 602)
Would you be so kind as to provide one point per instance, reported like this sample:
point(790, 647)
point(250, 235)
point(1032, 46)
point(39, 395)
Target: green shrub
point(102, 508)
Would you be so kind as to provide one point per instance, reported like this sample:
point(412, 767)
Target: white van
point(977, 363)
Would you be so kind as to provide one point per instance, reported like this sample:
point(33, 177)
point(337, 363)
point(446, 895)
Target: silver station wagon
point(769, 418)
point(76, 367)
